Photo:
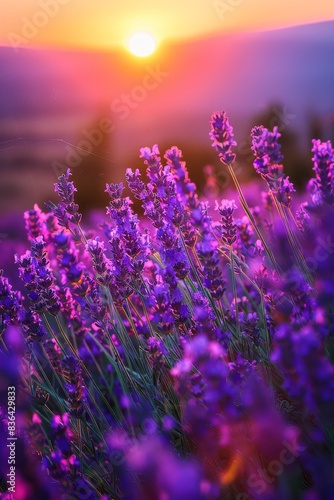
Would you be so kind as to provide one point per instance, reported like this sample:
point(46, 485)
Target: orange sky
point(103, 24)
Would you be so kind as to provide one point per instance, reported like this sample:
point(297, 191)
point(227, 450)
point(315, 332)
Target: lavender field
point(182, 352)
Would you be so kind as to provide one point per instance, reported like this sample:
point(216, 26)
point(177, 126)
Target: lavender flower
point(246, 235)
point(314, 190)
point(10, 301)
point(323, 161)
point(32, 325)
point(151, 159)
point(266, 148)
point(203, 315)
point(162, 315)
point(285, 191)
point(185, 188)
point(34, 222)
point(38, 278)
point(267, 162)
point(136, 185)
point(74, 385)
point(226, 210)
point(222, 137)
point(67, 210)
point(96, 249)
point(67, 255)
point(54, 354)
point(303, 218)
point(66, 190)
point(156, 351)
point(208, 255)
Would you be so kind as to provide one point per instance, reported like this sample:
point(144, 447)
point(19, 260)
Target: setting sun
point(141, 44)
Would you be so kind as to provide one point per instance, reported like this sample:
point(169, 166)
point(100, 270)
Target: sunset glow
point(103, 25)
point(141, 44)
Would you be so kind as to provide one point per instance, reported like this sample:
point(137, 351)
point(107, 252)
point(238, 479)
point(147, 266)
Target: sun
point(141, 44)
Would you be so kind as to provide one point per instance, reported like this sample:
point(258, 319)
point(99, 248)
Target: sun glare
point(141, 44)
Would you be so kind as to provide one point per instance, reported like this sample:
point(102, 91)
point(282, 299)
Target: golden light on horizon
point(141, 44)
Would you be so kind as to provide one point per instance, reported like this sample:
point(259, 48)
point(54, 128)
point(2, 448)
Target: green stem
point(252, 220)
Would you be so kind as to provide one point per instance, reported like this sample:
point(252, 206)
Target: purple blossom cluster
point(268, 163)
point(222, 137)
point(184, 354)
point(321, 187)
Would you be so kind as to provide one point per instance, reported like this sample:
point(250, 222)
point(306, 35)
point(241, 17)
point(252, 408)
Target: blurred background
point(72, 93)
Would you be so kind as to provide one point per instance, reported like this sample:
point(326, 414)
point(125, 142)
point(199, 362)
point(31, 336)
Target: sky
point(108, 24)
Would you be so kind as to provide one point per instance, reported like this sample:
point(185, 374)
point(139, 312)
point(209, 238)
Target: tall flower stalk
point(223, 140)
